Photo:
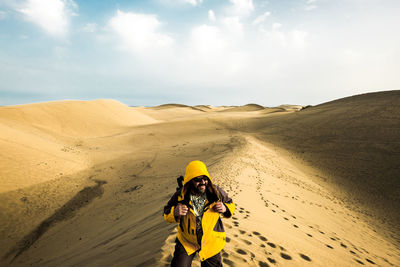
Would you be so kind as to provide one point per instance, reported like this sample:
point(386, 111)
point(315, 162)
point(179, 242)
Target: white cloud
point(261, 18)
point(298, 38)
point(310, 7)
point(242, 7)
point(194, 2)
point(206, 42)
point(51, 15)
point(71, 7)
point(233, 26)
point(90, 27)
point(211, 15)
point(276, 26)
point(212, 55)
point(139, 32)
point(279, 40)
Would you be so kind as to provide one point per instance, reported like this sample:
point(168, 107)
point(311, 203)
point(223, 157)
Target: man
point(196, 207)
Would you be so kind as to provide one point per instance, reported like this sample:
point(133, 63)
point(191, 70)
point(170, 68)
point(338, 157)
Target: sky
point(217, 52)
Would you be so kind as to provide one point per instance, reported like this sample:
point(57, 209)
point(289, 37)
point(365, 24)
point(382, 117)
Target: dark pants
point(182, 259)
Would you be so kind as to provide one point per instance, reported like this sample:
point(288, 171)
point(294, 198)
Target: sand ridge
point(248, 107)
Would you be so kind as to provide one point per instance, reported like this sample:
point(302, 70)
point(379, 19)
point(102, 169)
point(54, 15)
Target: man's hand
point(180, 210)
point(219, 207)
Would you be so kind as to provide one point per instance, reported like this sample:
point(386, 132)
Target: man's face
point(200, 184)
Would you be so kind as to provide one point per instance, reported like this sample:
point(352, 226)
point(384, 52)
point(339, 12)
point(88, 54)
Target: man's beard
point(199, 189)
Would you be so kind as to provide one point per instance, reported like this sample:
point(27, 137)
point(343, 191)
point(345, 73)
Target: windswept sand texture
point(84, 183)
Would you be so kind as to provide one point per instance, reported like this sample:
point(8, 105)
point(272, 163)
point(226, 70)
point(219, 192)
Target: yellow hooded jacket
point(214, 236)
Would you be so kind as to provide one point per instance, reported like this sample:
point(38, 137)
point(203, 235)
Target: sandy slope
point(107, 209)
point(45, 141)
point(354, 142)
point(284, 218)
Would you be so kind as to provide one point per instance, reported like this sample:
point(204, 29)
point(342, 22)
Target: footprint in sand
point(370, 261)
point(366, 251)
point(136, 187)
point(272, 245)
point(241, 251)
point(263, 264)
point(247, 242)
point(305, 257)
point(228, 262)
point(263, 238)
point(271, 260)
point(360, 262)
point(285, 256)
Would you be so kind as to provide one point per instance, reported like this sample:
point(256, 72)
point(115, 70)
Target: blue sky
point(219, 52)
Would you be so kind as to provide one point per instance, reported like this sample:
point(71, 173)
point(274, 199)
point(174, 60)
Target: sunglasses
point(199, 179)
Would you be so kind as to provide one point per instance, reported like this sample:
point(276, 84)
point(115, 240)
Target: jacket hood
point(194, 169)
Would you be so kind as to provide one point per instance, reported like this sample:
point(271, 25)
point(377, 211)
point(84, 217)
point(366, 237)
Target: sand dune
point(248, 107)
point(85, 118)
point(291, 107)
point(204, 107)
point(353, 142)
point(170, 112)
point(84, 183)
point(47, 138)
point(169, 106)
point(272, 110)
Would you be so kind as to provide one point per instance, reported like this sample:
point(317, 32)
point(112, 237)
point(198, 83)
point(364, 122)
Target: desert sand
point(83, 183)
